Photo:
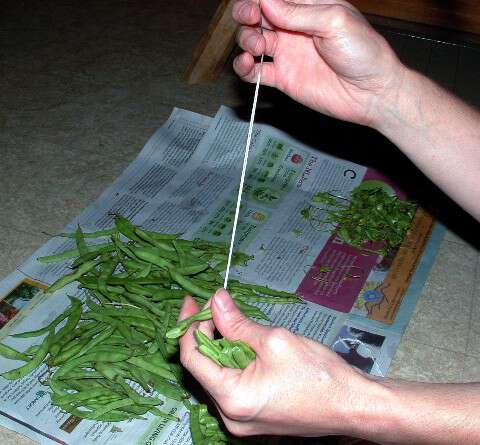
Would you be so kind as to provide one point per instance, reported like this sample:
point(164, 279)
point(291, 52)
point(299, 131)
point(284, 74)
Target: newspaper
point(185, 181)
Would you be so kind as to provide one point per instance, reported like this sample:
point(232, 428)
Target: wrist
point(372, 415)
point(395, 106)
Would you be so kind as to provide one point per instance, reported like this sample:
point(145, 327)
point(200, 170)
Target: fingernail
point(223, 301)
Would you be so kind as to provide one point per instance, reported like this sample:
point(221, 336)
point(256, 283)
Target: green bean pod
point(32, 364)
point(13, 354)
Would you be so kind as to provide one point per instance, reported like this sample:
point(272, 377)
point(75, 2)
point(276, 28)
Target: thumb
point(316, 19)
point(231, 323)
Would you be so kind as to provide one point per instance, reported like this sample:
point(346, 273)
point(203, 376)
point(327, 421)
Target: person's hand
point(325, 55)
point(295, 386)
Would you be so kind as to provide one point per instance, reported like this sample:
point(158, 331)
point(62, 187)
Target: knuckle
point(278, 339)
point(239, 406)
point(341, 17)
point(239, 323)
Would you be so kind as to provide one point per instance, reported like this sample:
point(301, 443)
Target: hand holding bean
point(295, 386)
point(324, 54)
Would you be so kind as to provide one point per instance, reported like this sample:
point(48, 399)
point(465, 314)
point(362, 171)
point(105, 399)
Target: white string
point(242, 177)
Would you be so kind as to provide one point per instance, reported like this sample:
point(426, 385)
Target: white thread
point(242, 177)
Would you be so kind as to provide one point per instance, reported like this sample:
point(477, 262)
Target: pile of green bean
point(116, 352)
point(104, 363)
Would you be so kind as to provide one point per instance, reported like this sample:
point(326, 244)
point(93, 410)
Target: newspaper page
point(185, 181)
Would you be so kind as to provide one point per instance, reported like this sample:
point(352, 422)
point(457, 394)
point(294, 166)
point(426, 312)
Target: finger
point(207, 327)
point(244, 65)
point(317, 18)
point(232, 324)
point(257, 43)
point(323, 2)
point(247, 12)
point(189, 307)
point(201, 367)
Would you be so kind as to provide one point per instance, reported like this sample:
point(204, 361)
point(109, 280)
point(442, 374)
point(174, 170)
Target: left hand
point(295, 386)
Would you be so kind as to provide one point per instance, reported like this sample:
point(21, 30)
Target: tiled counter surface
point(83, 90)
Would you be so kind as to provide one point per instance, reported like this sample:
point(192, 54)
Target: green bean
point(240, 357)
point(88, 283)
point(142, 273)
point(106, 270)
point(157, 242)
point(203, 339)
point(151, 256)
point(135, 397)
point(107, 357)
point(183, 325)
point(260, 299)
point(182, 256)
point(189, 286)
point(122, 311)
point(67, 254)
point(116, 280)
point(163, 236)
point(250, 311)
point(210, 276)
point(140, 301)
point(138, 322)
point(97, 234)
point(232, 354)
point(195, 430)
point(100, 297)
point(93, 253)
point(142, 363)
point(81, 374)
point(111, 416)
point(168, 294)
point(166, 387)
point(79, 240)
point(109, 371)
point(13, 354)
point(72, 322)
point(263, 290)
point(65, 354)
point(47, 328)
point(97, 414)
point(79, 396)
point(32, 364)
point(211, 354)
point(155, 294)
point(67, 279)
point(31, 350)
point(126, 228)
point(138, 289)
point(206, 314)
point(97, 340)
point(136, 409)
point(160, 413)
point(193, 269)
point(137, 374)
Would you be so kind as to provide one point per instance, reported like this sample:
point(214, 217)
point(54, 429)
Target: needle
point(244, 169)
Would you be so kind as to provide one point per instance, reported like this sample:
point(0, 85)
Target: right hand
point(325, 55)
point(295, 386)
